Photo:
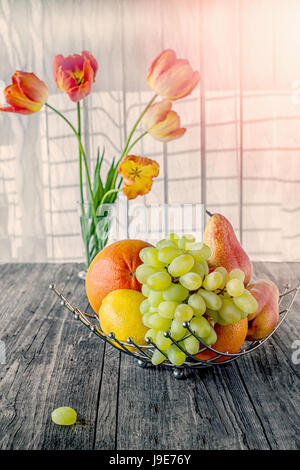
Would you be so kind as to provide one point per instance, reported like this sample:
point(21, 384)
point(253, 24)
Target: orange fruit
point(230, 339)
point(120, 314)
point(113, 268)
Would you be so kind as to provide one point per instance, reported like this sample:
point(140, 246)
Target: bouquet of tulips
point(170, 78)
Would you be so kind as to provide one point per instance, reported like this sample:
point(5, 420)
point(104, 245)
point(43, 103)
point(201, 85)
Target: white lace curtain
point(241, 152)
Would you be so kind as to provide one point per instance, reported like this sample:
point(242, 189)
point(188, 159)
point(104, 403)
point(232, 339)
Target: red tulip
point(75, 74)
point(26, 95)
point(170, 77)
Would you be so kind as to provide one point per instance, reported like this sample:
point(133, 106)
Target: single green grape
point(200, 252)
point(198, 268)
point(165, 242)
point(161, 341)
point(157, 357)
point(175, 355)
point(168, 253)
point(143, 271)
point(191, 281)
point(191, 344)
point(167, 308)
point(200, 326)
point(235, 287)
point(158, 322)
point(197, 303)
point(181, 265)
point(229, 311)
point(184, 312)
point(213, 281)
point(151, 334)
point(212, 300)
point(176, 292)
point(224, 273)
point(146, 319)
point(155, 298)
point(236, 274)
point(145, 290)
point(145, 306)
point(246, 302)
point(177, 330)
point(189, 241)
point(211, 338)
point(149, 256)
point(64, 416)
point(206, 267)
point(159, 281)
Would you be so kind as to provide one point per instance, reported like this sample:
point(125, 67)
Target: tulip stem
point(136, 124)
point(80, 160)
point(111, 191)
point(126, 149)
point(82, 153)
point(136, 140)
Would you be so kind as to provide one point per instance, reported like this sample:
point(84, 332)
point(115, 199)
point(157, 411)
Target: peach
point(264, 320)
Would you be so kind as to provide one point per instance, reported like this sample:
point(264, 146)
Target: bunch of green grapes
point(179, 289)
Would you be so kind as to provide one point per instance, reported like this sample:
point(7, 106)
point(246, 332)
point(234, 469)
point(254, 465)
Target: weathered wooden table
point(53, 360)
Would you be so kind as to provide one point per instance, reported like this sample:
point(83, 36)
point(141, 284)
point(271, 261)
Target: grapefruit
point(113, 268)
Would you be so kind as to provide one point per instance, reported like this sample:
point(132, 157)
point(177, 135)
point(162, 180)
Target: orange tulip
point(26, 95)
point(162, 123)
point(138, 173)
point(170, 77)
point(75, 74)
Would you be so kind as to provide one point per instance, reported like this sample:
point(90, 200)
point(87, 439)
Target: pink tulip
point(162, 123)
point(172, 78)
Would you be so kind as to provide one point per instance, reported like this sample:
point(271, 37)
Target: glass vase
point(94, 231)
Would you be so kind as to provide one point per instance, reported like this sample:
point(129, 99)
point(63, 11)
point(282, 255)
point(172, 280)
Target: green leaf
point(110, 175)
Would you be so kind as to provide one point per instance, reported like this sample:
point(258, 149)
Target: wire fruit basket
point(143, 354)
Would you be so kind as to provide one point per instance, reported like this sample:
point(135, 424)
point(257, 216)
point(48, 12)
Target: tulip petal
point(31, 86)
point(162, 62)
point(156, 112)
point(15, 109)
point(162, 123)
point(173, 135)
point(177, 82)
point(18, 100)
point(94, 64)
point(138, 173)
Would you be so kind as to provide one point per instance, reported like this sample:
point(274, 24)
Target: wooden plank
point(107, 404)
point(205, 411)
point(51, 360)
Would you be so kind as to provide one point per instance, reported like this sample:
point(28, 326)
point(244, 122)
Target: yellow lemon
point(120, 314)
